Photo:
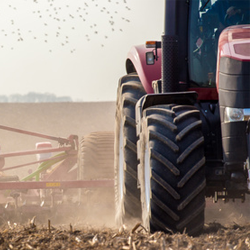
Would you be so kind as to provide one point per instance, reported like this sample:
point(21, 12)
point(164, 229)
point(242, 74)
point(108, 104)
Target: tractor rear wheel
point(171, 170)
point(127, 195)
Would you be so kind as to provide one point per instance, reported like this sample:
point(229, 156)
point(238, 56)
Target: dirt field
point(92, 226)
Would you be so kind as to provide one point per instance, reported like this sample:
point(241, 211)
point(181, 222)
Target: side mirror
point(150, 58)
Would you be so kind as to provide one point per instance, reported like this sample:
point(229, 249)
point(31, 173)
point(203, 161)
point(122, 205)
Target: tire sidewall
point(119, 201)
point(144, 138)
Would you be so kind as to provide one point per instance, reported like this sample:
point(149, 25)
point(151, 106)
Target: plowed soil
point(92, 226)
point(215, 236)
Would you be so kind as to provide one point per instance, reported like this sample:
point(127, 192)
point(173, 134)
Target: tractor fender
point(234, 44)
point(136, 62)
point(181, 98)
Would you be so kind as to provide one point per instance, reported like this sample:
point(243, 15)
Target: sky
point(74, 48)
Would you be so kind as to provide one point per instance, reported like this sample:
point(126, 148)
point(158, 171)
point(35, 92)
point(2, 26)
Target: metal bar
point(38, 151)
point(59, 139)
point(32, 163)
point(57, 184)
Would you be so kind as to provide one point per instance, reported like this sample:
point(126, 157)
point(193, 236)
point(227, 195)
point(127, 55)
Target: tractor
point(182, 117)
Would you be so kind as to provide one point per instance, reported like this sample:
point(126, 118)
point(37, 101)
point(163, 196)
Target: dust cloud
point(57, 119)
point(93, 207)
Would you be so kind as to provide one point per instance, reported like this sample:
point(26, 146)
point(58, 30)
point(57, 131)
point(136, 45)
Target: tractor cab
point(208, 18)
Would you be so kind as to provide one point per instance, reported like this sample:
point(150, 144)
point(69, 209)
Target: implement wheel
point(127, 195)
point(96, 156)
point(96, 161)
point(171, 170)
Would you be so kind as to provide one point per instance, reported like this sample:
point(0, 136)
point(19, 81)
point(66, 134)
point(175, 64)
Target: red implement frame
point(62, 166)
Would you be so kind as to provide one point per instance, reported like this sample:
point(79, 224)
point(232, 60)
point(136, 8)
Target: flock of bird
point(60, 22)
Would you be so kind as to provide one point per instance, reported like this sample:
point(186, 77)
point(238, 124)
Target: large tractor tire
point(96, 161)
point(171, 170)
point(127, 195)
point(96, 156)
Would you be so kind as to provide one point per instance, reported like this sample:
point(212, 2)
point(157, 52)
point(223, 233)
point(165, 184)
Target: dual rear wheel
point(170, 172)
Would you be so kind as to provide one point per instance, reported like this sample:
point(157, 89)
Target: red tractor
point(182, 117)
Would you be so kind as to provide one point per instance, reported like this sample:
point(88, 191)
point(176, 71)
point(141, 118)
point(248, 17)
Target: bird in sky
point(52, 16)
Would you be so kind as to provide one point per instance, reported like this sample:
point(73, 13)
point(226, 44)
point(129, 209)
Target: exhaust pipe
point(169, 68)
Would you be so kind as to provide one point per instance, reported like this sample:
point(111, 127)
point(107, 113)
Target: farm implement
point(61, 178)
